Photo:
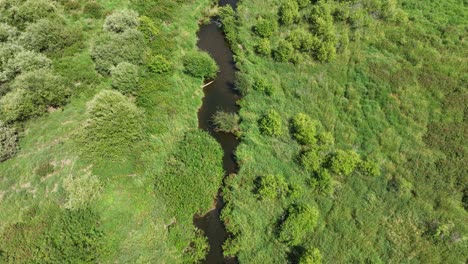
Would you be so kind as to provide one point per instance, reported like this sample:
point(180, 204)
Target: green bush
point(243, 83)
point(226, 122)
point(22, 62)
point(112, 49)
point(7, 32)
point(265, 27)
point(49, 35)
point(8, 142)
point(125, 78)
point(263, 47)
point(311, 256)
point(299, 223)
point(344, 162)
point(46, 88)
point(311, 160)
point(325, 139)
point(200, 64)
point(113, 126)
point(197, 249)
point(283, 52)
point(18, 105)
point(159, 64)
point(8, 51)
point(369, 167)
point(304, 129)
point(121, 20)
point(31, 11)
point(72, 5)
point(272, 187)
point(303, 3)
point(263, 86)
point(288, 12)
point(81, 190)
point(93, 9)
point(148, 28)
point(271, 124)
point(321, 181)
point(325, 52)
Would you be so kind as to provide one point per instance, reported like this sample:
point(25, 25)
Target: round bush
point(8, 142)
point(311, 256)
point(200, 65)
point(7, 32)
point(263, 47)
point(263, 86)
point(271, 124)
point(272, 187)
point(303, 3)
point(369, 167)
point(265, 27)
point(121, 20)
point(93, 9)
point(304, 129)
point(112, 128)
point(18, 105)
point(33, 10)
point(289, 12)
point(300, 222)
point(311, 160)
point(148, 28)
point(159, 64)
point(226, 122)
point(344, 162)
point(24, 61)
point(125, 78)
point(283, 52)
point(321, 180)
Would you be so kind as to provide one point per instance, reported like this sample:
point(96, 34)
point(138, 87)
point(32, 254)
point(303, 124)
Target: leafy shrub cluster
point(272, 187)
point(121, 21)
point(271, 124)
point(226, 122)
point(266, 27)
point(344, 162)
point(113, 127)
point(263, 86)
point(8, 142)
point(300, 222)
point(159, 64)
point(200, 64)
point(125, 78)
point(304, 129)
point(93, 9)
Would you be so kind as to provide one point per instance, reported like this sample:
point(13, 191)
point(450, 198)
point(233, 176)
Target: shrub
point(7, 32)
point(299, 223)
point(271, 124)
point(325, 52)
point(148, 28)
point(18, 105)
point(49, 35)
point(125, 78)
point(326, 139)
point(265, 27)
point(93, 9)
point(197, 249)
point(226, 122)
point(304, 129)
point(344, 162)
point(81, 190)
point(311, 160)
point(311, 256)
point(31, 11)
point(321, 181)
point(8, 51)
point(272, 187)
point(112, 49)
point(369, 167)
point(159, 64)
point(112, 128)
point(283, 52)
point(288, 12)
point(263, 86)
point(72, 5)
point(200, 65)
point(121, 20)
point(24, 61)
point(303, 3)
point(46, 88)
point(243, 83)
point(263, 47)
point(8, 142)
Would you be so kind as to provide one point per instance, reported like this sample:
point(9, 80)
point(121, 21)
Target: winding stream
point(219, 95)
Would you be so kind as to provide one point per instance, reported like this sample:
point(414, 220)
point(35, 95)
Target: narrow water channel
point(219, 96)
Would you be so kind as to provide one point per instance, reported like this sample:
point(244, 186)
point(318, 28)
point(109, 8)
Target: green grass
point(391, 95)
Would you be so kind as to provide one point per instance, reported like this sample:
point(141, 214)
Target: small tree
point(288, 12)
point(125, 78)
point(121, 20)
point(8, 142)
point(283, 52)
point(304, 129)
point(299, 223)
point(263, 47)
point(311, 256)
point(303, 3)
point(200, 64)
point(344, 162)
point(265, 27)
point(159, 64)
point(311, 160)
point(271, 124)
point(272, 187)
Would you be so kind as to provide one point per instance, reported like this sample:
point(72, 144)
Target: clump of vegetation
point(300, 222)
point(272, 187)
point(93, 9)
point(304, 129)
point(288, 12)
point(265, 27)
point(7, 32)
point(263, 47)
point(311, 256)
point(283, 52)
point(226, 122)
point(369, 167)
point(344, 162)
point(8, 142)
point(148, 28)
point(113, 127)
point(44, 169)
point(18, 105)
point(271, 124)
point(125, 78)
point(21, 61)
point(81, 190)
point(263, 86)
point(321, 181)
point(200, 64)
point(159, 64)
point(121, 21)
point(311, 160)
point(197, 249)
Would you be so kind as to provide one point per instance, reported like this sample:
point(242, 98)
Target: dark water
point(219, 95)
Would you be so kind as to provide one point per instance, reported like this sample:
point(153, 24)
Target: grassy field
point(134, 218)
point(394, 92)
